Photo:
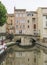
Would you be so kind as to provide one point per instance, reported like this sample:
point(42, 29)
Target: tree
point(3, 13)
point(10, 36)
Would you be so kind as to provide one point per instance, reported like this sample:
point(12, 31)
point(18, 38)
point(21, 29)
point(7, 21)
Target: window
point(33, 19)
point(35, 59)
point(17, 32)
point(34, 26)
point(35, 56)
point(28, 59)
point(28, 26)
point(17, 15)
point(32, 14)
point(23, 31)
point(20, 15)
point(16, 26)
point(46, 23)
point(46, 16)
point(28, 14)
point(23, 15)
point(11, 27)
point(23, 26)
point(20, 26)
point(28, 21)
point(20, 31)
point(17, 21)
point(22, 21)
point(20, 54)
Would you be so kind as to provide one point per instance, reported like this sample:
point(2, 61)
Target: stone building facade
point(28, 22)
point(42, 22)
point(25, 22)
point(10, 23)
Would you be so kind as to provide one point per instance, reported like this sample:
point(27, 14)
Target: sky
point(29, 5)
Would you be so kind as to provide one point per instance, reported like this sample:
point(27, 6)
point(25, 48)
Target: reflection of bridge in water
point(18, 54)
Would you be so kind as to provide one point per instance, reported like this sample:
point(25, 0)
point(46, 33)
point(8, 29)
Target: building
point(42, 22)
point(28, 22)
point(10, 27)
point(31, 22)
point(24, 22)
point(20, 21)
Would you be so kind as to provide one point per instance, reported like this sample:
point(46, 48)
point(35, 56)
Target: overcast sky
point(23, 4)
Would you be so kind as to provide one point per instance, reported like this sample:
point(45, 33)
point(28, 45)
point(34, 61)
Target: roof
point(43, 7)
point(10, 14)
point(31, 12)
point(20, 9)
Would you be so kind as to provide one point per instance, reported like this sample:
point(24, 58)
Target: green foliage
point(10, 36)
point(3, 13)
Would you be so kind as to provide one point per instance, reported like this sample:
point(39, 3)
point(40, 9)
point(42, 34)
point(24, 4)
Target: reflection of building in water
point(23, 56)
